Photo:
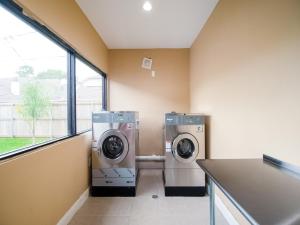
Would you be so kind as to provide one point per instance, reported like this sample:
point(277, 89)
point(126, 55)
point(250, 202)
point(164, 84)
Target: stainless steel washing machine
point(115, 142)
point(184, 138)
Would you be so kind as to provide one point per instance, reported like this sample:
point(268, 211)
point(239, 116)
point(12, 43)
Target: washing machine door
point(113, 146)
point(185, 148)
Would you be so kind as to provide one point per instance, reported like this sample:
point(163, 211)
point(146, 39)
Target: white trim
point(65, 220)
point(225, 212)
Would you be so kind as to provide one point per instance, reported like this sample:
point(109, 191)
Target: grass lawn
point(10, 144)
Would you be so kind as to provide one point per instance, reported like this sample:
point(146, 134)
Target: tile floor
point(143, 209)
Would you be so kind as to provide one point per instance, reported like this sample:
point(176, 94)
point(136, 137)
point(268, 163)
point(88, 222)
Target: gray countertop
point(264, 194)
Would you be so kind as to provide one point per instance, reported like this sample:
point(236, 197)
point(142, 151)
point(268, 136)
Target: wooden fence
point(53, 124)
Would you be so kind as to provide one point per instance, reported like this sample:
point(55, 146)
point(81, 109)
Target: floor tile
point(107, 207)
point(84, 220)
point(145, 206)
point(144, 220)
point(145, 210)
point(113, 220)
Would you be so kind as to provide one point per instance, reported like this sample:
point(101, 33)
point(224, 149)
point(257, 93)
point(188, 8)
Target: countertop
point(264, 193)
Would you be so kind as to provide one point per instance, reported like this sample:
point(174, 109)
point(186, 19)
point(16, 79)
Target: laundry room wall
point(40, 186)
point(65, 19)
point(37, 188)
point(244, 74)
point(134, 88)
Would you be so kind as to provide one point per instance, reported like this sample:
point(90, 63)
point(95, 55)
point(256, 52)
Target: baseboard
point(65, 220)
point(225, 212)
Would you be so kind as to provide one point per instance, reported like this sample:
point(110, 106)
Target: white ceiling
point(170, 24)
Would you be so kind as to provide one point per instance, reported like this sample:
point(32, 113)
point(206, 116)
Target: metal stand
point(212, 202)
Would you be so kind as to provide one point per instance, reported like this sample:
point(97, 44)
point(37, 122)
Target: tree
point(34, 104)
point(25, 71)
point(52, 74)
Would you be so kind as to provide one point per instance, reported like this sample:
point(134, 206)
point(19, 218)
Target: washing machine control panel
point(175, 119)
point(114, 117)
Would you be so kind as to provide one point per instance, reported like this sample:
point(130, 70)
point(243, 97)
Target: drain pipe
point(150, 158)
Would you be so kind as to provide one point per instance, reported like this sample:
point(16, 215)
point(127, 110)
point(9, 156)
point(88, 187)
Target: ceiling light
point(147, 6)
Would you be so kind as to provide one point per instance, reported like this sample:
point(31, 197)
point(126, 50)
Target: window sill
point(21, 151)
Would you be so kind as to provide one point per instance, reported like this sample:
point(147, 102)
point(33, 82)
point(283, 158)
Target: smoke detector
point(147, 63)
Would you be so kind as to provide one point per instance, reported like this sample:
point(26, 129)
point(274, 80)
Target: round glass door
point(113, 145)
point(185, 148)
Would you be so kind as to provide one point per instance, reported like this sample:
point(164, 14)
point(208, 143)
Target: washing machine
point(184, 139)
point(115, 142)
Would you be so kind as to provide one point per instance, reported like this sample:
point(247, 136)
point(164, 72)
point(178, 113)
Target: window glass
point(88, 94)
point(33, 85)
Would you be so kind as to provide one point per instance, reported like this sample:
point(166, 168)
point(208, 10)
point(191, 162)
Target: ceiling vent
point(147, 63)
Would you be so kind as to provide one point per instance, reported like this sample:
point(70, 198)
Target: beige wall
point(245, 74)
point(39, 187)
point(133, 88)
point(65, 18)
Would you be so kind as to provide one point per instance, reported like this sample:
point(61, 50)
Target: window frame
point(104, 87)
point(72, 54)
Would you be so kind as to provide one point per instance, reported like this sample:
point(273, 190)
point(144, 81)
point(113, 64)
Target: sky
point(21, 45)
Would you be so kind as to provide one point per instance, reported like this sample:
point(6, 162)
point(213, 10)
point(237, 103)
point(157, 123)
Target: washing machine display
point(184, 144)
point(115, 141)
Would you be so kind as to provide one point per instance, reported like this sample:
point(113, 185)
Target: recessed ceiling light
point(147, 6)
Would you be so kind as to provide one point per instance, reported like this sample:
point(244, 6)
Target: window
point(38, 85)
point(88, 94)
point(33, 85)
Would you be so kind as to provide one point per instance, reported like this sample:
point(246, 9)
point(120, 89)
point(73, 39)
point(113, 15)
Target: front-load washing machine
point(184, 139)
point(115, 142)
